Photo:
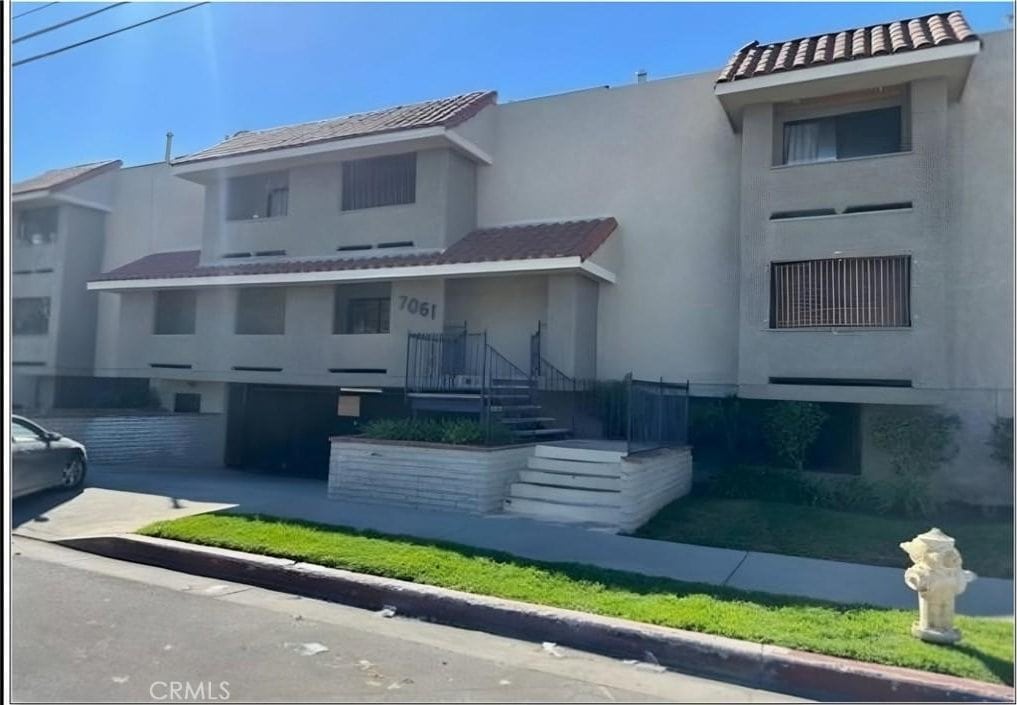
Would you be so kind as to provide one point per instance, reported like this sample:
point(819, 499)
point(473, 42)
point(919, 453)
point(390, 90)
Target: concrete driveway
point(121, 499)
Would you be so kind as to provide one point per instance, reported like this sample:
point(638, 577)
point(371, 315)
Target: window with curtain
point(379, 181)
point(844, 136)
point(857, 292)
point(37, 226)
point(261, 311)
point(174, 312)
point(30, 315)
point(258, 196)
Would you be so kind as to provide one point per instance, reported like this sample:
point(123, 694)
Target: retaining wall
point(651, 480)
point(166, 440)
point(424, 475)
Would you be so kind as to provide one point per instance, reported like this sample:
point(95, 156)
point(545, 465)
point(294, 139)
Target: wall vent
point(44, 270)
point(169, 366)
point(270, 253)
point(28, 363)
point(879, 207)
point(251, 368)
point(22, 271)
point(359, 370)
point(400, 243)
point(840, 382)
point(236, 255)
point(806, 213)
point(353, 248)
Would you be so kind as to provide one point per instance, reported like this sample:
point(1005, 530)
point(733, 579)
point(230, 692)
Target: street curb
point(755, 665)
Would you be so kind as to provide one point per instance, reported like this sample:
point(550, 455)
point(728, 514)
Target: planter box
point(424, 475)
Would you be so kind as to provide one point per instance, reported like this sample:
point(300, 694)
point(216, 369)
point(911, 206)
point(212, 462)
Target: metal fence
point(657, 414)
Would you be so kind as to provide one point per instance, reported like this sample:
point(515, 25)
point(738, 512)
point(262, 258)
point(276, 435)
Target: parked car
point(41, 459)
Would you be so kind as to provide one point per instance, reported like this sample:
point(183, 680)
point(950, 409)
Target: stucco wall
point(315, 224)
point(424, 476)
point(176, 440)
point(661, 158)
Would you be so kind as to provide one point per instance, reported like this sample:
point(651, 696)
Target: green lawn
point(858, 632)
point(987, 545)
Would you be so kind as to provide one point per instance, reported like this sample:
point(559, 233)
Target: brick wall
point(167, 440)
point(447, 478)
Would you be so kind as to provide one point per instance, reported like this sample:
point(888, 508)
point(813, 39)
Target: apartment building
point(826, 218)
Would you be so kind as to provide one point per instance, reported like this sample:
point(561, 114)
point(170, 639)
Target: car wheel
point(74, 472)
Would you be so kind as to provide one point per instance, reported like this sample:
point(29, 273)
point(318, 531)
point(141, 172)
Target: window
point(174, 312)
point(261, 311)
point(362, 309)
point(23, 433)
point(186, 403)
point(31, 315)
point(862, 292)
point(843, 136)
point(37, 226)
point(381, 181)
point(258, 196)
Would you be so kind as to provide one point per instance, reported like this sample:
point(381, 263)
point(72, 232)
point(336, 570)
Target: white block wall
point(649, 481)
point(155, 440)
point(473, 480)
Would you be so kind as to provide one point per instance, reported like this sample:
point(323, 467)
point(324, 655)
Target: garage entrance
point(285, 429)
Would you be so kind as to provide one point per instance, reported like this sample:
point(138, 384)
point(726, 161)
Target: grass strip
point(814, 532)
point(851, 631)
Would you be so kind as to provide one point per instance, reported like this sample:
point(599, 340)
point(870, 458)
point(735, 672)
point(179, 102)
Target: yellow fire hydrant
point(938, 577)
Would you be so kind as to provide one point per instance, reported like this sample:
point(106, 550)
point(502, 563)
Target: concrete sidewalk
point(120, 500)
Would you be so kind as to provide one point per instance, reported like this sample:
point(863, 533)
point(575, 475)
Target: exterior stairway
point(513, 403)
point(572, 481)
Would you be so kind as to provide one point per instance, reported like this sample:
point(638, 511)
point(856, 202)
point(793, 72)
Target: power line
point(58, 25)
point(103, 36)
point(34, 9)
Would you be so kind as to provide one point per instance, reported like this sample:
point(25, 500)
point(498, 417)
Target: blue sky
point(230, 66)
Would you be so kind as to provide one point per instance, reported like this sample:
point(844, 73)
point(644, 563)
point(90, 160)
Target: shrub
point(853, 494)
point(765, 483)
point(452, 431)
point(716, 420)
point(917, 441)
point(1001, 441)
point(791, 428)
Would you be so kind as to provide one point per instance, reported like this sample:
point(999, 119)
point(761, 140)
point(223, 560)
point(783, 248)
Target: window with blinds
point(380, 181)
point(859, 292)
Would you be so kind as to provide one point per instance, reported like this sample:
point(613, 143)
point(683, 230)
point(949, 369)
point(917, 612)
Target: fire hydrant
point(938, 578)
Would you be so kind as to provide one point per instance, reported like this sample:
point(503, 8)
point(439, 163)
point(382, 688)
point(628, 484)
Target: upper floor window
point(857, 292)
point(258, 196)
point(30, 315)
point(362, 308)
point(261, 311)
point(174, 312)
point(379, 181)
point(856, 134)
point(37, 226)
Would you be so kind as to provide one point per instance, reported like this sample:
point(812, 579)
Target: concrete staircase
point(571, 481)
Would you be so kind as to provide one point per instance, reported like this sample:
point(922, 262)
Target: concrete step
point(555, 511)
point(586, 451)
point(564, 495)
point(526, 419)
point(541, 432)
point(572, 467)
point(559, 479)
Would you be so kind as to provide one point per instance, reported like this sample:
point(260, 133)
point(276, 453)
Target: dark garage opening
point(285, 429)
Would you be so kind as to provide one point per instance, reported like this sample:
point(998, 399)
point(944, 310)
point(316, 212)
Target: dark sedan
point(41, 459)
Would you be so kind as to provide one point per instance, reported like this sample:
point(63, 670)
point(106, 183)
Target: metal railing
point(657, 414)
point(456, 361)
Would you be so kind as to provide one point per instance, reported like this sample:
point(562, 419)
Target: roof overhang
point(952, 62)
point(545, 265)
point(355, 147)
point(48, 197)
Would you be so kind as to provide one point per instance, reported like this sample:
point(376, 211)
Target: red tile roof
point(545, 240)
point(445, 112)
point(926, 32)
point(62, 178)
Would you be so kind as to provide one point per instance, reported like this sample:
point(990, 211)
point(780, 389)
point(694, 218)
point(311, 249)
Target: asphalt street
point(87, 628)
